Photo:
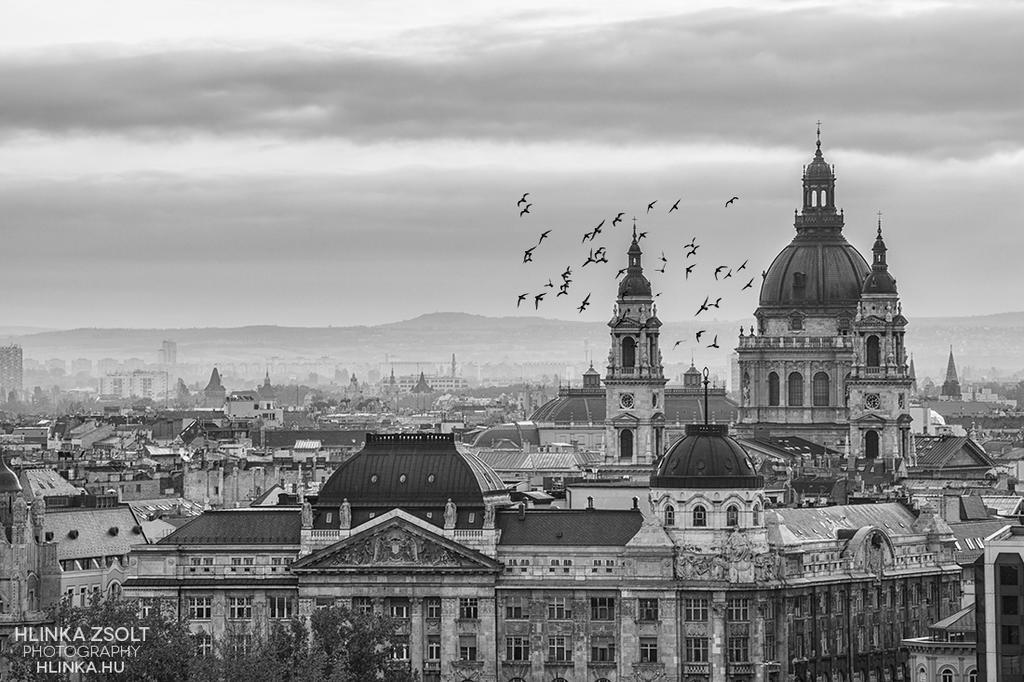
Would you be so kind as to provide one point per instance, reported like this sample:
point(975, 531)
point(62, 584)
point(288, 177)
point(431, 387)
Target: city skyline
point(332, 165)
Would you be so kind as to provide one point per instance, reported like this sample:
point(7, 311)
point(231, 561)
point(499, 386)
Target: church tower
point(880, 384)
point(635, 380)
point(951, 386)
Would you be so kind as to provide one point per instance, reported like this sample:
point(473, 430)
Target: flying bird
point(691, 245)
point(528, 255)
point(584, 304)
point(748, 284)
point(676, 343)
point(700, 333)
point(692, 251)
point(537, 299)
point(550, 284)
point(641, 236)
point(730, 201)
point(714, 344)
point(525, 210)
point(663, 259)
point(689, 269)
point(597, 230)
point(662, 268)
point(563, 290)
point(543, 236)
point(567, 273)
point(620, 273)
point(618, 219)
point(522, 297)
point(590, 259)
point(718, 270)
point(764, 273)
point(744, 266)
point(703, 306)
point(523, 199)
point(651, 205)
point(717, 302)
point(728, 274)
point(675, 206)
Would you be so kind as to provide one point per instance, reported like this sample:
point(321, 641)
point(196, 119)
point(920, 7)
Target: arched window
point(626, 444)
point(972, 676)
point(628, 352)
point(114, 590)
point(670, 515)
point(796, 389)
point(871, 444)
point(820, 394)
point(946, 675)
point(732, 516)
point(700, 516)
point(872, 351)
point(756, 515)
point(773, 389)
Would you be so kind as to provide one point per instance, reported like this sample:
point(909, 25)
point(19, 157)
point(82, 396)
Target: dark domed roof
point(410, 469)
point(706, 457)
point(9, 482)
point(832, 272)
point(634, 283)
point(574, 406)
point(879, 281)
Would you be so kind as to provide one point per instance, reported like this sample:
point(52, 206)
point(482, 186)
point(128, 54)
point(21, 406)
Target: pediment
point(869, 419)
point(625, 419)
point(396, 546)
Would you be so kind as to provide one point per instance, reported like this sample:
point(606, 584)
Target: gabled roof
point(812, 524)
point(248, 526)
point(569, 527)
point(950, 452)
point(963, 621)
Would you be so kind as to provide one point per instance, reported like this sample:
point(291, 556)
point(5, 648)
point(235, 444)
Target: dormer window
point(796, 322)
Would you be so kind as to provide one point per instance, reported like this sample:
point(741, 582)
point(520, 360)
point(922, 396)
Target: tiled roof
point(970, 537)
point(47, 482)
point(249, 526)
point(583, 527)
point(794, 446)
point(515, 433)
point(584, 407)
point(531, 461)
point(254, 581)
point(813, 524)
point(945, 451)
point(82, 532)
point(1005, 505)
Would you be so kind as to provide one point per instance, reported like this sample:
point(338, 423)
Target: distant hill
point(979, 342)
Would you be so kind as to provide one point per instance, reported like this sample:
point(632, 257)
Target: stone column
point(449, 637)
point(717, 657)
point(416, 637)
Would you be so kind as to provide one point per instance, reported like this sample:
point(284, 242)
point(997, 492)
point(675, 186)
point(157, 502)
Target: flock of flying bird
point(599, 255)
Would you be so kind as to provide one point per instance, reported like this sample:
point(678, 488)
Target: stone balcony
point(751, 342)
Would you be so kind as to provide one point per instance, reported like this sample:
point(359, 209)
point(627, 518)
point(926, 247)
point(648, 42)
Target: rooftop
point(248, 526)
point(582, 527)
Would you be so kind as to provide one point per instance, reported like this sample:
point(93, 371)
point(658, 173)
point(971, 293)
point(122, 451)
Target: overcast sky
point(176, 163)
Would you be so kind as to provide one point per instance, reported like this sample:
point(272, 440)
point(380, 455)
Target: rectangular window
point(558, 609)
point(398, 608)
point(517, 648)
point(602, 608)
point(739, 649)
point(433, 648)
point(469, 608)
point(514, 609)
point(204, 643)
point(1011, 605)
point(467, 647)
point(697, 649)
point(1011, 635)
point(195, 561)
point(1008, 575)
point(240, 608)
point(200, 608)
point(558, 649)
point(602, 650)
point(696, 610)
point(280, 607)
point(738, 609)
point(362, 604)
point(768, 645)
point(648, 610)
point(648, 650)
point(400, 649)
point(433, 605)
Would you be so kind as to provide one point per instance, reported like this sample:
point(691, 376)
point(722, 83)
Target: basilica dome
point(816, 270)
point(706, 457)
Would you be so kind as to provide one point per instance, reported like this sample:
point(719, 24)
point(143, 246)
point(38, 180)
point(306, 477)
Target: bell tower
point(880, 383)
point(635, 380)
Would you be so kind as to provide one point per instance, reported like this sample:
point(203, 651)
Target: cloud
point(936, 84)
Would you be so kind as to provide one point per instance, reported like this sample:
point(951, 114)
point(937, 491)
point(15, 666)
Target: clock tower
point(880, 382)
point(635, 380)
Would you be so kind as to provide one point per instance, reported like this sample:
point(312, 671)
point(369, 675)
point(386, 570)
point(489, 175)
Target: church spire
point(819, 189)
point(951, 386)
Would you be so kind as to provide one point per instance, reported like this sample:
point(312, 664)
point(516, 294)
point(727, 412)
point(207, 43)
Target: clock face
point(872, 401)
point(626, 401)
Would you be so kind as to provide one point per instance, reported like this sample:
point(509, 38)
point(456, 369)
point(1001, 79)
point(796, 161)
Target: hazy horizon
point(323, 164)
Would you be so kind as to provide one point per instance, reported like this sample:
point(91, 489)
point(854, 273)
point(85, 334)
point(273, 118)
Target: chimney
point(522, 511)
point(950, 506)
point(590, 503)
point(636, 503)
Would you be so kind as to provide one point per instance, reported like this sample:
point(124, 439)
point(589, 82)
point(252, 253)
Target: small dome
point(634, 284)
point(879, 282)
point(706, 457)
point(9, 482)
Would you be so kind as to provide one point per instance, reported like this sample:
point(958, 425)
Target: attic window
point(403, 478)
point(431, 478)
point(114, 530)
point(374, 478)
point(72, 534)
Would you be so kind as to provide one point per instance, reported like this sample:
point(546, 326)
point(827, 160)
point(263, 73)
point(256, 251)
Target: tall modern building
point(12, 371)
point(168, 353)
point(827, 360)
point(999, 602)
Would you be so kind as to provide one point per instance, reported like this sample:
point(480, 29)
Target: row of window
point(820, 390)
point(93, 563)
point(699, 516)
